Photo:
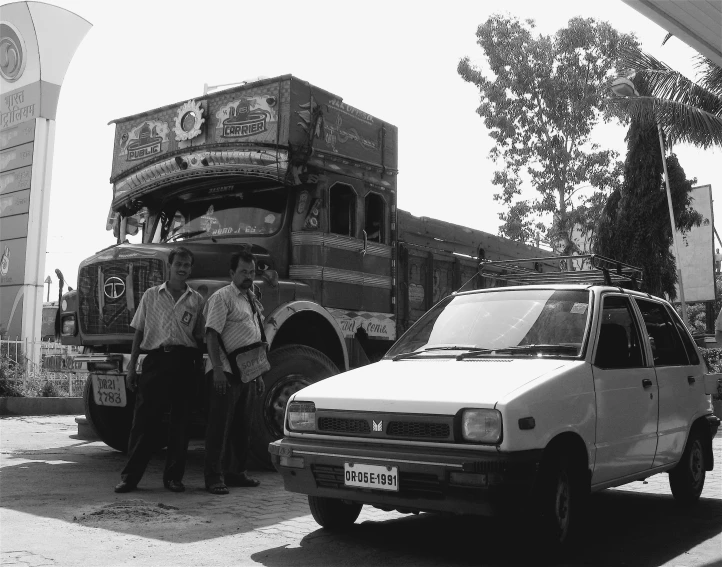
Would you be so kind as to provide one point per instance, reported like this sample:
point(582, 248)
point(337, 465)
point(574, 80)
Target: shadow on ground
point(624, 528)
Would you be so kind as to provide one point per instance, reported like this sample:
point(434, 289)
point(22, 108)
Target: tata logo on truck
point(114, 288)
point(247, 117)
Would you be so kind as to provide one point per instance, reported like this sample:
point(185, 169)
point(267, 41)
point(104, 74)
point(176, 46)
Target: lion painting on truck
point(304, 181)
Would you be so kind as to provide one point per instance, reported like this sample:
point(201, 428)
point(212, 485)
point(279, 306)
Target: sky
point(393, 59)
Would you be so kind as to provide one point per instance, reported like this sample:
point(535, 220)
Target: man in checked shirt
point(232, 313)
point(168, 326)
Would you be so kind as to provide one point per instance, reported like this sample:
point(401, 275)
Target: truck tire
point(687, 479)
point(293, 367)
point(111, 424)
point(333, 514)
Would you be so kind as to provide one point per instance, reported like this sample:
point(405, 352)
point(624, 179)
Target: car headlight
point(481, 425)
point(302, 416)
point(68, 327)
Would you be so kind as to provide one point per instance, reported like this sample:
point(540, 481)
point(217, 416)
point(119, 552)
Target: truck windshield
point(196, 215)
point(520, 322)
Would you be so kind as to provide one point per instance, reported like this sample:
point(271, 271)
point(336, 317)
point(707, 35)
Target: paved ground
point(57, 508)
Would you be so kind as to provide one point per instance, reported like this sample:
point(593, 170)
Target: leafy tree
point(540, 103)
point(634, 226)
point(687, 111)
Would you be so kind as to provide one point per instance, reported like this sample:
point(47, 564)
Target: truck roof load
point(270, 128)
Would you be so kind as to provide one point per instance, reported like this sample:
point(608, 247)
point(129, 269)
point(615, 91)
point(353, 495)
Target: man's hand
point(260, 386)
point(220, 382)
point(131, 378)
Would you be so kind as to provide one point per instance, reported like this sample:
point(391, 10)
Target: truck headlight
point(68, 326)
point(481, 425)
point(302, 416)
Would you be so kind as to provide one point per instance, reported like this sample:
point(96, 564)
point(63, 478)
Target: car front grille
point(423, 430)
point(343, 425)
point(386, 426)
point(101, 312)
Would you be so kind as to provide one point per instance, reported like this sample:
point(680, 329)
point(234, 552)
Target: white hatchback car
point(531, 395)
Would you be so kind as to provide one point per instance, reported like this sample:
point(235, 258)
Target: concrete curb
point(41, 406)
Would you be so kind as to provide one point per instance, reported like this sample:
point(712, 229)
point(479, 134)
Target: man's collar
point(164, 286)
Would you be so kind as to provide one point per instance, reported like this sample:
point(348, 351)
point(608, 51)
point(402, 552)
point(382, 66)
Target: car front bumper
point(445, 479)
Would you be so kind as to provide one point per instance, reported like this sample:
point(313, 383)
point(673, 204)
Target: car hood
point(431, 385)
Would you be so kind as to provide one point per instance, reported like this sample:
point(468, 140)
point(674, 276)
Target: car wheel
point(559, 500)
point(333, 514)
point(687, 479)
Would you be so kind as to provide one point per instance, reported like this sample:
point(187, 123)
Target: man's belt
point(173, 349)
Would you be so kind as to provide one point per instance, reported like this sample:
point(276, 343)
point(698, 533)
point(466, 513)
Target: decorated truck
point(308, 184)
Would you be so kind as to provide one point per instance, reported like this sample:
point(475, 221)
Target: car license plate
point(371, 476)
point(109, 390)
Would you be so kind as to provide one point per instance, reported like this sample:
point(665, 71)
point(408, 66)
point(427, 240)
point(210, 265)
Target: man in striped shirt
point(168, 324)
point(231, 314)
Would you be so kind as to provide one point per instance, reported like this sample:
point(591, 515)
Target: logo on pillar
point(12, 52)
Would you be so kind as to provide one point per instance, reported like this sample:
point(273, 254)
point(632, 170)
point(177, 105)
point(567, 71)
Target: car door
point(681, 384)
point(626, 394)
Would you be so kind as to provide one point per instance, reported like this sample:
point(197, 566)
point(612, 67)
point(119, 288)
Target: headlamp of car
point(481, 425)
point(302, 416)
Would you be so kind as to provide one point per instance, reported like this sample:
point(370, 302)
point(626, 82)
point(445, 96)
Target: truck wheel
point(333, 514)
point(559, 499)
point(687, 479)
point(293, 367)
point(111, 424)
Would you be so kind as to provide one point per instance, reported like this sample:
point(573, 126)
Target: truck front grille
point(104, 309)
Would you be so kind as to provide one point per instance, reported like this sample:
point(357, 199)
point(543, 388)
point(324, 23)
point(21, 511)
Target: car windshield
point(518, 322)
point(257, 212)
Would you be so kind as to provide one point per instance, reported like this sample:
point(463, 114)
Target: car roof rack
point(531, 271)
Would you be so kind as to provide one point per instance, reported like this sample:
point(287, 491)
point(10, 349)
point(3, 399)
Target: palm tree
point(687, 112)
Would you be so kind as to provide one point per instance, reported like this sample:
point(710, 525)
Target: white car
point(530, 396)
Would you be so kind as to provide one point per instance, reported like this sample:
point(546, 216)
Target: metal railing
point(40, 368)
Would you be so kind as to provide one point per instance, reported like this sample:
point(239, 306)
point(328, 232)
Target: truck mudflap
point(458, 480)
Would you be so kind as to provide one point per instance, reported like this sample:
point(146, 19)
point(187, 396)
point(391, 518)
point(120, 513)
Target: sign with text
point(696, 249)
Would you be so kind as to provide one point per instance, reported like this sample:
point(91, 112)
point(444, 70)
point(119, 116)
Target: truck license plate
point(109, 390)
point(371, 476)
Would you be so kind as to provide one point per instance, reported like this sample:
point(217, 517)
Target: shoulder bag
point(250, 361)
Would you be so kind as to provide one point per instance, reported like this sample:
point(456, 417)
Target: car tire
point(687, 479)
point(333, 514)
point(559, 499)
point(293, 367)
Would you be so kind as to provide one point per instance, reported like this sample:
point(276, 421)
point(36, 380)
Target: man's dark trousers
point(166, 377)
point(228, 431)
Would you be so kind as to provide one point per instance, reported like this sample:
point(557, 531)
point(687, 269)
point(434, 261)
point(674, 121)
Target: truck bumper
point(447, 479)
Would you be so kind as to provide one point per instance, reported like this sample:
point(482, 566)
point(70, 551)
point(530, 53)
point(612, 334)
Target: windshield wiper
point(445, 347)
point(528, 349)
point(186, 235)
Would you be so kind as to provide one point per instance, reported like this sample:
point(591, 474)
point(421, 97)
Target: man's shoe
point(123, 486)
point(174, 485)
point(241, 479)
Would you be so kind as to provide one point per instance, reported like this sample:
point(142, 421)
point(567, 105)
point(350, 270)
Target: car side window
point(619, 344)
point(667, 347)
point(689, 345)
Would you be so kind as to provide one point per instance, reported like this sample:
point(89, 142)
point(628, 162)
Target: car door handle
point(647, 383)
point(691, 379)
